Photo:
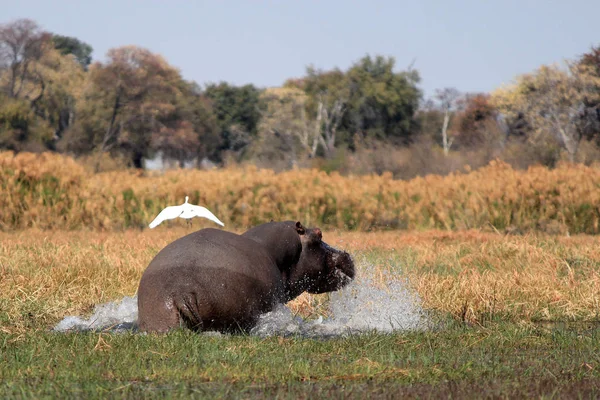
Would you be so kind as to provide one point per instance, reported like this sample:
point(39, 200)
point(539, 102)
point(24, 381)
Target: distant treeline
point(368, 118)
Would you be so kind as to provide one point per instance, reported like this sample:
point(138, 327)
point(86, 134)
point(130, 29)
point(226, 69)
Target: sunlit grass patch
point(472, 276)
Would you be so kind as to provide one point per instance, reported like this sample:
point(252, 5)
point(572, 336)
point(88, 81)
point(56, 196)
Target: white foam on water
point(115, 316)
point(367, 304)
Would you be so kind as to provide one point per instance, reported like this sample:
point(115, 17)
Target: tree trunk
point(13, 79)
point(34, 102)
point(569, 135)
point(23, 75)
point(445, 143)
point(571, 144)
point(138, 160)
point(332, 120)
point(111, 126)
point(64, 120)
point(308, 133)
point(317, 134)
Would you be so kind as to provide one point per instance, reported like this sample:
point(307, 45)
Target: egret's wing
point(168, 213)
point(199, 211)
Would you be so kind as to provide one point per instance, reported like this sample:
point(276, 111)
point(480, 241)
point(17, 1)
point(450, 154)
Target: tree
point(63, 78)
point(177, 141)
point(369, 99)
point(235, 106)
point(22, 44)
point(20, 129)
point(590, 120)
point(285, 130)
point(591, 60)
point(198, 110)
point(476, 123)
point(449, 101)
point(191, 130)
point(328, 93)
point(125, 101)
point(33, 73)
point(382, 102)
point(70, 45)
point(552, 101)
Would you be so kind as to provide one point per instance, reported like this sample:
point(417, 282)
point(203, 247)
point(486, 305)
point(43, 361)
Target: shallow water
point(362, 306)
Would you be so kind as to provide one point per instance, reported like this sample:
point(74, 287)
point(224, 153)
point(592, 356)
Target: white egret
point(186, 211)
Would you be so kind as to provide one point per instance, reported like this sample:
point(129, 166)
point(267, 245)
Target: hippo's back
point(209, 279)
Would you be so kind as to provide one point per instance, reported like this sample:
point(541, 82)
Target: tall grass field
point(51, 191)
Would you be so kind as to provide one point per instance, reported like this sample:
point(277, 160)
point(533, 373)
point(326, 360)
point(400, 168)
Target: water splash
point(363, 306)
point(114, 316)
point(384, 305)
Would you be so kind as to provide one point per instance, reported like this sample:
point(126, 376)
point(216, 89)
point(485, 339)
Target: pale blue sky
point(468, 44)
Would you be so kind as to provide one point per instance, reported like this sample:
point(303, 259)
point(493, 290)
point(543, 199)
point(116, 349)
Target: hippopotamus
point(214, 280)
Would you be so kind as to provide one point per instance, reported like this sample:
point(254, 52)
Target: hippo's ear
point(300, 229)
point(318, 233)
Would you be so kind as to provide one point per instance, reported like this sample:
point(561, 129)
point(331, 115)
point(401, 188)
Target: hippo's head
point(321, 268)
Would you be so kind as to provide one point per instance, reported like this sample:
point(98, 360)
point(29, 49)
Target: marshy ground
point(515, 315)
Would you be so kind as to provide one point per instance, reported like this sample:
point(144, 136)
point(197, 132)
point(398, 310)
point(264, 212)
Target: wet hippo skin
point(217, 280)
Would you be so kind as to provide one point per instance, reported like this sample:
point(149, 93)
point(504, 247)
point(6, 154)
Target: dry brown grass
point(474, 275)
point(471, 275)
point(49, 191)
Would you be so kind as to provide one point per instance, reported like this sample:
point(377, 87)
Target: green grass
point(500, 360)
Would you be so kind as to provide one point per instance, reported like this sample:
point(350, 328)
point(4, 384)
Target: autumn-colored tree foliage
point(40, 86)
point(22, 45)
point(177, 141)
point(22, 84)
point(476, 120)
point(134, 106)
point(551, 101)
point(590, 115)
point(591, 60)
point(127, 98)
point(285, 132)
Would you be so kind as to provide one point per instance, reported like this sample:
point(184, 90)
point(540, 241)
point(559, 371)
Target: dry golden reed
point(476, 275)
point(52, 191)
point(470, 275)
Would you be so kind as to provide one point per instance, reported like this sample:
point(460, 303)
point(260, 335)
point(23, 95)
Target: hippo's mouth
point(344, 268)
point(342, 279)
